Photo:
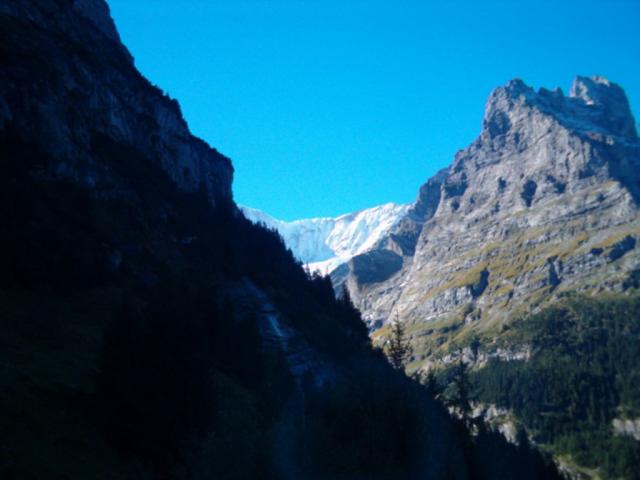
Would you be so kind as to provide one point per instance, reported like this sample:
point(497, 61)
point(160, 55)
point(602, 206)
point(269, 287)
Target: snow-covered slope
point(325, 243)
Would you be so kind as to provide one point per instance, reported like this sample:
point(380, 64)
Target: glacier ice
point(324, 243)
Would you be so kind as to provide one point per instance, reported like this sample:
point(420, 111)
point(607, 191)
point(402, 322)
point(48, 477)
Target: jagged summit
point(585, 87)
point(544, 201)
point(594, 104)
point(609, 104)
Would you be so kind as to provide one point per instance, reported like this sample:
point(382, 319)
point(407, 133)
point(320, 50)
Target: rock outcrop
point(80, 97)
point(544, 202)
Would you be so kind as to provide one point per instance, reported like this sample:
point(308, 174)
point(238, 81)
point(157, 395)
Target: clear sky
point(330, 106)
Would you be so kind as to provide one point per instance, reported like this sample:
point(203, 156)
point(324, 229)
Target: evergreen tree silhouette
point(398, 348)
point(461, 392)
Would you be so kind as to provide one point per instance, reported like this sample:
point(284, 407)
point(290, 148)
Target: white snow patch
point(325, 243)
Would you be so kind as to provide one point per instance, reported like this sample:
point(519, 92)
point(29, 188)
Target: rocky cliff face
point(544, 202)
point(82, 95)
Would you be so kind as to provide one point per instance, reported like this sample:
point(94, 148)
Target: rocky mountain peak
point(592, 89)
point(606, 103)
point(544, 201)
point(594, 104)
point(501, 104)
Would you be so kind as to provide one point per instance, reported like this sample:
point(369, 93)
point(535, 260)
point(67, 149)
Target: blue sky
point(331, 106)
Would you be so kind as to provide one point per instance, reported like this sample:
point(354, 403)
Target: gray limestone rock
point(543, 202)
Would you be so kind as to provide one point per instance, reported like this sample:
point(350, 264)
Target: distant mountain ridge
point(324, 243)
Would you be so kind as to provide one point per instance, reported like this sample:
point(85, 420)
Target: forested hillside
point(582, 375)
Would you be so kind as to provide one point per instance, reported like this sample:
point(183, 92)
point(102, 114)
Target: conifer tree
point(431, 384)
point(398, 348)
point(460, 398)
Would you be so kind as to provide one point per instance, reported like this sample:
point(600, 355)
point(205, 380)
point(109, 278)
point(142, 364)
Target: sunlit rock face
point(82, 99)
point(627, 427)
point(543, 202)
